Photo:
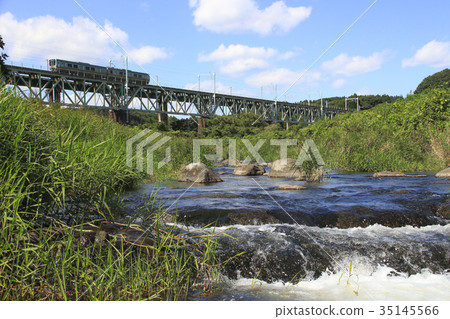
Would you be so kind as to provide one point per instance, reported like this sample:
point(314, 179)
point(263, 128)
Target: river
point(352, 237)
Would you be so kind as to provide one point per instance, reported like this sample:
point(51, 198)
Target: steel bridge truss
point(72, 91)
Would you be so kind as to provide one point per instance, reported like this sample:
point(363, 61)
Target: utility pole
point(214, 76)
point(214, 88)
point(358, 108)
point(126, 87)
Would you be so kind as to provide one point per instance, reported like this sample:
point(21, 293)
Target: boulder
point(222, 217)
point(389, 174)
point(249, 170)
point(444, 210)
point(445, 173)
point(287, 187)
point(198, 173)
point(285, 169)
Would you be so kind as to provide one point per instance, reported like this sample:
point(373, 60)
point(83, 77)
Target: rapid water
point(300, 245)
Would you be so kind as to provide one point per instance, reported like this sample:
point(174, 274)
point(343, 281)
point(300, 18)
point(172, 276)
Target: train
point(96, 72)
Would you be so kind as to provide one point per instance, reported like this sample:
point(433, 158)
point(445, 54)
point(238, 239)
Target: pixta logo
point(144, 141)
point(150, 142)
point(307, 152)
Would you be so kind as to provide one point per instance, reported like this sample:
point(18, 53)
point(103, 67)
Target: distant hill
point(434, 80)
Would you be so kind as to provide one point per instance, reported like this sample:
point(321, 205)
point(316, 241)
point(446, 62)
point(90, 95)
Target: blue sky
point(248, 44)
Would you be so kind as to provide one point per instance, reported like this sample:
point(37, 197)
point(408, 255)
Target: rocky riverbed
point(397, 223)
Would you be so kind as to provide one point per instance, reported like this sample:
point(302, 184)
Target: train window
point(69, 65)
point(75, 66)
point(92, 69)
point(87, 68)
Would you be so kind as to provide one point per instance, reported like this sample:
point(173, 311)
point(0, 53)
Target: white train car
point(96, 72)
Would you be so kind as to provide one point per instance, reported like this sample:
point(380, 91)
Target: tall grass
point(407, 135)
point(61, 172)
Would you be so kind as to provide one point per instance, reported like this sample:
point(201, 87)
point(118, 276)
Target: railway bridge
point(74, 91)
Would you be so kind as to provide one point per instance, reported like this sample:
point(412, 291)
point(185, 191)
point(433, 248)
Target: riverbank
point(409, 135)
point(61, 174)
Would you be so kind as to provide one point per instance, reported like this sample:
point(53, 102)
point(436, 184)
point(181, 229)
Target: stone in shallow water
point(249, 170)
point(445, 173)
point(198, 173)
point(389, 174)
point(285, 169)
point(286, 187)
point(444, 210)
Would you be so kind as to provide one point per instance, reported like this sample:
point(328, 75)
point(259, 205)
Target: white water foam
point(379, 285)
point(366, 281)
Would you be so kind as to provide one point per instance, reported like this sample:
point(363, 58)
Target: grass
point(350, 274)
point(408, 135)
point(61, 175)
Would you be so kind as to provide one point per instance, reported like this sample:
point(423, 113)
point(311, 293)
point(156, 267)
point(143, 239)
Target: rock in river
point(249, 170)
point(285, 169)
point(389, 174)
point(445, 173)
point(287, 187)
point(198, 173)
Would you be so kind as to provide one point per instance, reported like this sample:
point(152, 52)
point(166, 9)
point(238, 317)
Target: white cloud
point(238, 58)
point(282, 77)
point(434, 53)
point(241, 65)
point(235, 16)
point(237, 51)
point(147, 54)
point(356, 65)
point(287, 55)
point(48, 37)
point(338, 83)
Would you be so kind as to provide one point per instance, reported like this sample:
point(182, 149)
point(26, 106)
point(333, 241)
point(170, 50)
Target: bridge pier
point(54, 95)
point(118, 116)
point(201, 125)
point(287, 126)
point(163, 117)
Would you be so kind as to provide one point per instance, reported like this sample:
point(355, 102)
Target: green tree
point(3, 57)
point(240, 125)
point(435, 80)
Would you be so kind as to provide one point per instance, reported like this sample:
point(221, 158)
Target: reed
point(61, 175)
